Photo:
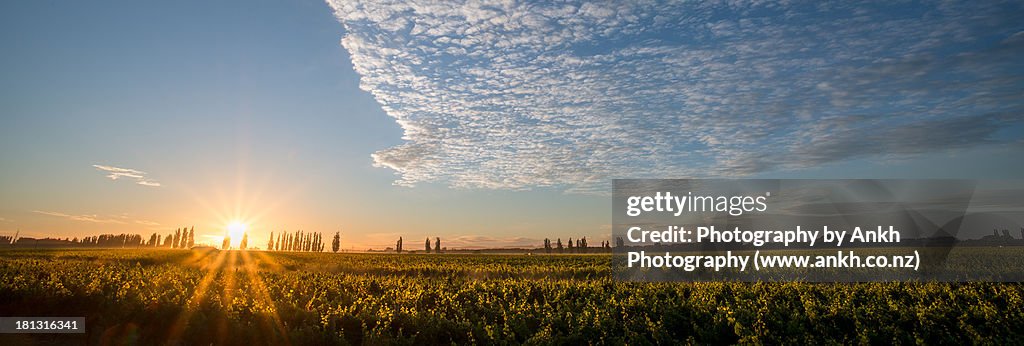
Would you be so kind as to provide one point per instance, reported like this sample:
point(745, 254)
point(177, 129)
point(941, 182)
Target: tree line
point(102, 240)
point(182, 238)
point(399, 245)
point(299, 241)
point(578, 246)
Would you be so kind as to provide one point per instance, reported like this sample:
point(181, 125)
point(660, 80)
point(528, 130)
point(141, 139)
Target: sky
point(483, 123)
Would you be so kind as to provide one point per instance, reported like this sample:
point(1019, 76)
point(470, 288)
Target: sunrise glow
point(236, 229)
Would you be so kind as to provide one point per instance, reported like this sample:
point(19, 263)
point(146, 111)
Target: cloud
point(517, 95)
point(83, 217)
point(483, 241)
point(148, 223)
point(115, 173)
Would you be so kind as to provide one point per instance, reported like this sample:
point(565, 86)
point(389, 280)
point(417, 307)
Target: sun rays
point(230, 278)
point(253, 202)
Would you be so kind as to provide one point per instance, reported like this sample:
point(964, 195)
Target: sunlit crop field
point(235, 297)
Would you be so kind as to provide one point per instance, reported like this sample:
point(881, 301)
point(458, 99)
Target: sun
point(235, 230)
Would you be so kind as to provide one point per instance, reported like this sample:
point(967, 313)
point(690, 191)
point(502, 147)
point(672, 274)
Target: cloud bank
point(515, 95)
point(115, 173)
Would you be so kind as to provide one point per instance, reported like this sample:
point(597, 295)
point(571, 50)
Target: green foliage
point(235, 297)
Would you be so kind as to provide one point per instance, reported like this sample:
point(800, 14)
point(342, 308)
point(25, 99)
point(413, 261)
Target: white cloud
point(81, 217)
point(528, 94)
point(115, 173)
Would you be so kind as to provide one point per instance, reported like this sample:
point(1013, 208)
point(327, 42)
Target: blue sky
point(484, 123)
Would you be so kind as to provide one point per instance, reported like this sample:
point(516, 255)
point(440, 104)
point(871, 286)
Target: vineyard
point(252, 297)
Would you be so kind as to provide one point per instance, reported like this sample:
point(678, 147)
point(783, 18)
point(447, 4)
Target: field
point(235, 297)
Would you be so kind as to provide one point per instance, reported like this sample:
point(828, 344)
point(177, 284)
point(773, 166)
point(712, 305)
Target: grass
point(234, 297)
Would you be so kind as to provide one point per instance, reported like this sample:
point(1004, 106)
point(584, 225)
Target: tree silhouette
point(398, 245)
point(559, 246)
point(226, 244)
point(427, 245)
point(336, 244)
point(191, 237)
point(547, 245)
point(245, 241)
point(169, 240)
point(437, 244)
point(270, 243)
